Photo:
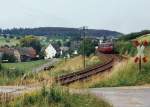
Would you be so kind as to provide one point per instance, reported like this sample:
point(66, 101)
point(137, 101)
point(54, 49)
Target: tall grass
point(73, 65)
point(12, 73)
point(24, 66)
point(126, 74)
point(56, 97)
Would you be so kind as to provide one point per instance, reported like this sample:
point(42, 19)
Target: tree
point(9, 57)
point(31, 41)
point(18, 37)
point(59, 43)
point(87, 47)
point(11, 37)
point(1, 31)
point(5, 36)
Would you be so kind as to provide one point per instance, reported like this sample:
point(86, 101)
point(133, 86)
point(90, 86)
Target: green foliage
point(127, 75)
point(11, 73)
point(31, 41)
point(57, 31)
point(87, 47)
point(134, 35)
point(123, 47)
point(10, 76)
point(8, 41)
point(57, 97)
point(9, 57)
point(24, 66)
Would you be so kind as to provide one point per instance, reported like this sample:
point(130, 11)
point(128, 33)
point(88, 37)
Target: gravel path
point(125, 96)
point(41, 68)
point(118, 97)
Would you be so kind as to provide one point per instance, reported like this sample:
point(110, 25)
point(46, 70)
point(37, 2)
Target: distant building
point(50, 52)
point(27, 53)
point(100, 41)
point(68, 55)
point(21, 54)
point(75, 52)
point(75, 44)
point(64, 48)
point(10, 51)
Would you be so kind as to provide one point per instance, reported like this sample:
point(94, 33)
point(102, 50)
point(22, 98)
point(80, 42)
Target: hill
point(57, 31)
point(144, 37)
point(134, 35)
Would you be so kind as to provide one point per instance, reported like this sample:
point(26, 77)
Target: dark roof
point(7, 50)
point(56, 46)
point(27, 51)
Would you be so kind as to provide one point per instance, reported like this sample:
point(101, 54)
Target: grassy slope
point(73, 65)
point(63, 67)
point(126, 74)
point(12, 73)
point(24, 66)
point(144, 37)
point(54, 97)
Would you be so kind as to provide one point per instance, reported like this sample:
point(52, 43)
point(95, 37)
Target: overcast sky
point(119, 15)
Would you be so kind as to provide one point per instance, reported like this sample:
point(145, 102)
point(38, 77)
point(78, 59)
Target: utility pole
point(84, 29)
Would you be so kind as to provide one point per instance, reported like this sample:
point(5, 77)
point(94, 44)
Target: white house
point(100, 41)
point(75, 52)
point(50, 52)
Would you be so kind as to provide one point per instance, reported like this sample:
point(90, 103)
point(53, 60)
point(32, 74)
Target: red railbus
point(106, 48)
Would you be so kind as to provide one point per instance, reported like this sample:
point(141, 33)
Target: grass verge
point(56, 97)
point(73, 65)
point(24, 66)
point(11, 73)
point(126, 74)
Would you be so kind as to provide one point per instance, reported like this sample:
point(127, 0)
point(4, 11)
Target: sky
point(119, 15)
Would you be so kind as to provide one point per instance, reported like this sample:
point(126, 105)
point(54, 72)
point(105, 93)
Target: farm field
point(11, 73)
point(8, 41)
point(24, 66)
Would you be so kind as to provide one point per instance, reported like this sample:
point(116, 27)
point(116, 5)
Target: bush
point(56, 95)
point(10, 58)
point(31, 41)
point(126, 74)
point(123, 47)
point(87, 47)
point(11, 73)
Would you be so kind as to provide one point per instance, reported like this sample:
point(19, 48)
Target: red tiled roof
point(27, 51)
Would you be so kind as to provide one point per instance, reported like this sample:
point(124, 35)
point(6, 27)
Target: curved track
point(83, 74)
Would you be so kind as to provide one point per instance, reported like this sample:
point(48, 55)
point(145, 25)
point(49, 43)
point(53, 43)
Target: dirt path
point(18, 89)
point(41, 68)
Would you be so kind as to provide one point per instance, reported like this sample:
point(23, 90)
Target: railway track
point(83, 74)
point(9, 93)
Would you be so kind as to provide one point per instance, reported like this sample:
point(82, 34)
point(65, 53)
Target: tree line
point(58, 31)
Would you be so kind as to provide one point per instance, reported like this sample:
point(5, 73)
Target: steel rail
point(83, 74)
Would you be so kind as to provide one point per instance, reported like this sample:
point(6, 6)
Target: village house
point(50, 52)
point(75, 45)
point(10, 51)
point(27, 53)
point(21, 54)
point(63, 50)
